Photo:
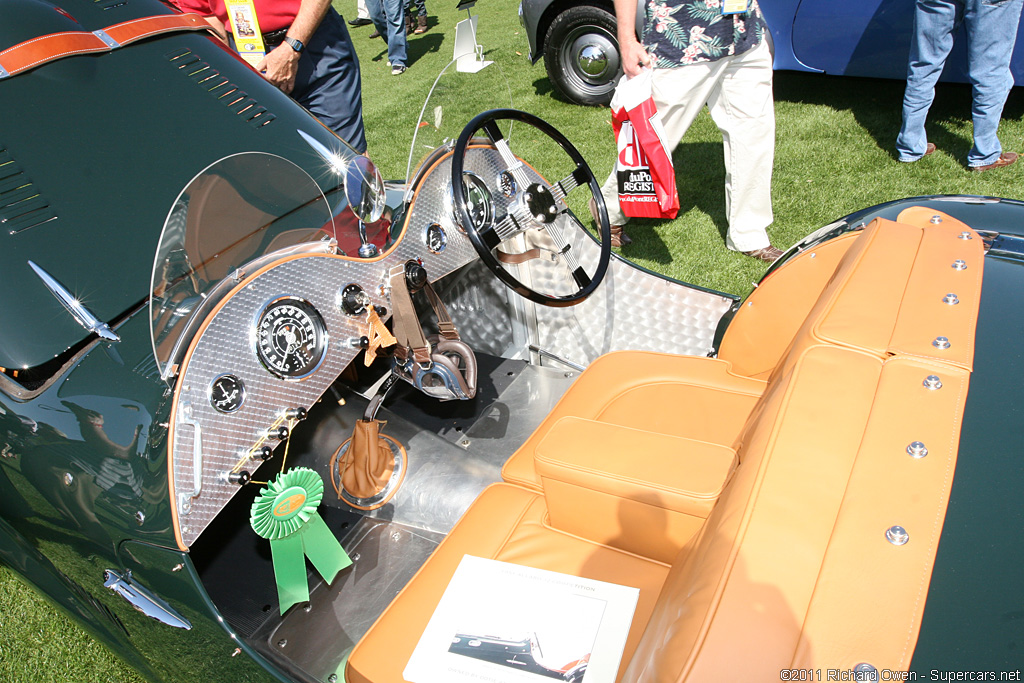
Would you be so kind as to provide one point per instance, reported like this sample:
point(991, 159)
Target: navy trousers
point(327, 83)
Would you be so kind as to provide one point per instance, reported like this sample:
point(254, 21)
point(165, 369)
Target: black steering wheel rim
point(486, 120)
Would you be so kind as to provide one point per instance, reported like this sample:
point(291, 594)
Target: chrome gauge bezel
point(437, 230)
point(215, 382)
point(507, 184)
point(317, 323)
point(474, 187)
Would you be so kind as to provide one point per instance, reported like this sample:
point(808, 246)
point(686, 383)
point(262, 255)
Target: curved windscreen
point(236, 211)
point(454, 99)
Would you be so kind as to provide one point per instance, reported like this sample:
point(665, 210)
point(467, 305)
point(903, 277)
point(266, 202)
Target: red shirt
point(273, 15)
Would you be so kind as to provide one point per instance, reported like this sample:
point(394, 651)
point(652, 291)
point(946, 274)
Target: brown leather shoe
point(929, 148)
point(1005, 159)
point(421, 23)
point(375, 34)
point(619, 237)
point(767, 254)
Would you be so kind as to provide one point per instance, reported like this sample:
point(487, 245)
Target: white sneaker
point(397, 70)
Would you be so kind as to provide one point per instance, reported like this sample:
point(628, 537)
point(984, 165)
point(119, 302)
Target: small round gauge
point(436, 239)
point(227, 393)
point(479, 203)
point(291, 338)
point(507, 184)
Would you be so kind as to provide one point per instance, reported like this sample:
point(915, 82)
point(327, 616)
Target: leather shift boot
point(368, 462)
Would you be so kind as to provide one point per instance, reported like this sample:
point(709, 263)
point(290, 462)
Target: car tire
point(581, 55)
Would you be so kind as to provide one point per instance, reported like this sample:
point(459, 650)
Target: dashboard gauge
point(291, 338)
point(507, 184)
point(479, 202)
point(227, 393)
point(436, 239)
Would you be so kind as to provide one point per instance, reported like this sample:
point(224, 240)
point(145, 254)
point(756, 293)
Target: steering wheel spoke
point(538, 205)
point(563, 187)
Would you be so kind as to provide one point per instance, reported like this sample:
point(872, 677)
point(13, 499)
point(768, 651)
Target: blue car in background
point(576, 39)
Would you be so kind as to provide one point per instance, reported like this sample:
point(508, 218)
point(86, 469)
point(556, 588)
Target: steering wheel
point(535, 205)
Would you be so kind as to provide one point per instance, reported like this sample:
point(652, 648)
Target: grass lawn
point(834, 155)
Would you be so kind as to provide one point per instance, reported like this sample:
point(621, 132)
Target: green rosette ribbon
point(285, 514)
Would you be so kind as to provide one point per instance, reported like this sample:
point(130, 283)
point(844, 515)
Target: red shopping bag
point(647, 180)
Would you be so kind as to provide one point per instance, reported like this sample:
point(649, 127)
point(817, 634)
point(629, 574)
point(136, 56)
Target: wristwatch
point(295, 44)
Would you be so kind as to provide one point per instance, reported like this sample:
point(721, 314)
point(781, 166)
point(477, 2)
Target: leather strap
point(406, 324)
point(444, 321)
point(43, 49)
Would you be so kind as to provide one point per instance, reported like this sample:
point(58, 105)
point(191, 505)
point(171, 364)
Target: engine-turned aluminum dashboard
point(210, 446)
point(230, 405)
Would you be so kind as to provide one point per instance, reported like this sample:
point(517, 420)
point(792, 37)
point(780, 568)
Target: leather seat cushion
point(505, 523)
point(688, 396)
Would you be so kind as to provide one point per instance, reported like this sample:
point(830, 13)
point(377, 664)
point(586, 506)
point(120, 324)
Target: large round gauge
point(291, 338)
point(227, 393)
point(480, 204)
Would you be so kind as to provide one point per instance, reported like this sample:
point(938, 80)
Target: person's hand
point(280, 66)
point(634, 58)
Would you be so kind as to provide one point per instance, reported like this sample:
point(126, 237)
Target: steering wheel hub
point(540, 203)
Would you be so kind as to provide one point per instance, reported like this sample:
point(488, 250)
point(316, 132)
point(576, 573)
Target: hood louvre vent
point(21, 205)
point(229, 94)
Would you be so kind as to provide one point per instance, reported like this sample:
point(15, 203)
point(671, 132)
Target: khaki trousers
point(738, 92)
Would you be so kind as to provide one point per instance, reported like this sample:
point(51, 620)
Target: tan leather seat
point(788, 569)
point(505, 523)
point(684, 396)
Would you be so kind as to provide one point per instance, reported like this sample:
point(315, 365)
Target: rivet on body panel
point(941, 343)
point(897, 535)
point(959, 264)
point(917, 449)
point(965, 235)
point(935, 220)
point(932, 382)
point(951, 299)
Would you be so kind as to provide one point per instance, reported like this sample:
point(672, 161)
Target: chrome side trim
point(78, 311)
point(144, 601)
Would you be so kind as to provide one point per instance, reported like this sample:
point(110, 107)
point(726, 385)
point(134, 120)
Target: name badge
point(735, 6)
point(245, 27)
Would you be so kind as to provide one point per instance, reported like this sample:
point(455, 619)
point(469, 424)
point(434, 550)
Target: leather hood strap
point(42, 49)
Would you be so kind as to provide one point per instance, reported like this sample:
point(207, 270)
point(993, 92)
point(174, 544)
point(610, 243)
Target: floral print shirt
point(680, 32)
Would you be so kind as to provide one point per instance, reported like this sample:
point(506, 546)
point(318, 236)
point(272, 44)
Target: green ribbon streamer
point(285, 513)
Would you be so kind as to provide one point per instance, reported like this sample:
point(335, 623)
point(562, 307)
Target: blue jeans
point(388, 16)
point(991, 32)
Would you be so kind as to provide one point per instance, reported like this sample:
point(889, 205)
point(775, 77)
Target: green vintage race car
point(220, 330)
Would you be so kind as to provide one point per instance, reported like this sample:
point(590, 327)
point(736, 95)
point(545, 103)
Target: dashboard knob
point(240, 478)
point(415, 276)
point(266, 453)
point(295, 413)
point(279, 433)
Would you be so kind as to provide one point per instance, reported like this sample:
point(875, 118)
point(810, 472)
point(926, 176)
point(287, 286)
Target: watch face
point(436, 239)
point(227, 393)
point(291, 338)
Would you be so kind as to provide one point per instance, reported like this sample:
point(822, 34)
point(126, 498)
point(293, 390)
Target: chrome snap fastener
point(935, 220)
point(941, 343)
point(959, 264)
point(932, 382)
point(951, 299)
point(917, 449)
point(965, 235)
point(897, 535)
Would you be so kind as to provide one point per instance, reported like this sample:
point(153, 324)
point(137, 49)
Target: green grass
point(834, 155)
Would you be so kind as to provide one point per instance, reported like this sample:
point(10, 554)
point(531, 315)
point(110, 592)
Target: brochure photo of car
point(505, 623)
